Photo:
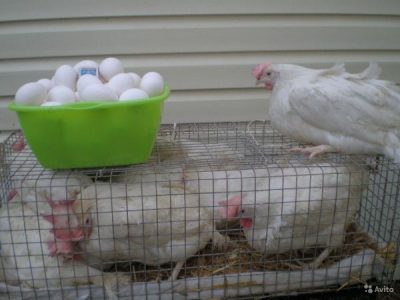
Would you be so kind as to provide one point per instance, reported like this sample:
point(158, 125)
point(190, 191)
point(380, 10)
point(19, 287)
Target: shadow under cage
point(220, 210)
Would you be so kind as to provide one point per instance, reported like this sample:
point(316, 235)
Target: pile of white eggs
point(89, 81)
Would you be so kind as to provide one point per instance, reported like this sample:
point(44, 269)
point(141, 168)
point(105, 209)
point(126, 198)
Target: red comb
point(259, 70)
point(19, 144)
point(229, 208)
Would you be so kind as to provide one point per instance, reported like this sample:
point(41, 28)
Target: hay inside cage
point(240, 257)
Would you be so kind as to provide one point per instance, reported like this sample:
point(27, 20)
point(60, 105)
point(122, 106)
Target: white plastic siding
point(205, 49)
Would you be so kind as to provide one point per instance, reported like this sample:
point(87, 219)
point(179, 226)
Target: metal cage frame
point(213, 161)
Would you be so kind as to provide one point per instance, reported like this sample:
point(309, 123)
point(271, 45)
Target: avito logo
point(385, 289)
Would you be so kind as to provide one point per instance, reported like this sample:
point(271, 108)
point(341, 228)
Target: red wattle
point(246, 223)
point(269, 86)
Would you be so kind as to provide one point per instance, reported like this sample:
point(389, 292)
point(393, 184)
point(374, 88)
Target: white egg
point(152, 83)
point(121, 82)
point(51, 103)
point(65, 75)
point(85, 64)
point(133, 94)
point(47, 83)
point(136, 79)
point(97, 92)
point(61, 94)
point(31, 93)
point(110, 67)
point(85, 80)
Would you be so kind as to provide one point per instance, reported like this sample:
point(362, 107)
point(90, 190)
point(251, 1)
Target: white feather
point(302, 207)
point(132, 224)
point(25, 259)
point(295, 207)
point(32, 183)
point(354, 113)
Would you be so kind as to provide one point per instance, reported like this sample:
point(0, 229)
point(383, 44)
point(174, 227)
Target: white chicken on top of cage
point(336, 110)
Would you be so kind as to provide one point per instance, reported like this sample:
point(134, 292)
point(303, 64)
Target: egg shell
point(65, 75)
point(51, 103)
point(97, 92)
point(61, 94)
point(121, 82)
point(136, 79)
point(110, 67)
point(85, 64)
point(152, 83)
point(47, 83)
point(85, 80)
point(133, 94)
point(32, 93)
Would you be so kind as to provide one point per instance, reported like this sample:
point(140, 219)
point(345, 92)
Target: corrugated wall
point(205, 49)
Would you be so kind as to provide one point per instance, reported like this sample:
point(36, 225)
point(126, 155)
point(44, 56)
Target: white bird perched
point(355, 113)
point(282, 209)
point(37, 251)
point(131, 223)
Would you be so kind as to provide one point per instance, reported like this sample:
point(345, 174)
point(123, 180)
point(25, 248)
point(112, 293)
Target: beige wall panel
point(205, 49)
point(45, 9)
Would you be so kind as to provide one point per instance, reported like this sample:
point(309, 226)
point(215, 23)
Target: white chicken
point(132, 223)
point(301, 207)
point(339, 111)
point(38, 251)
point(31, 183)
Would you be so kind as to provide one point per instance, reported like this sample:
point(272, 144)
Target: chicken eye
point(268, 73)
point(242, 211)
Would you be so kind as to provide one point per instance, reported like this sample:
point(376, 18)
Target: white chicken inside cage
point(220, 210)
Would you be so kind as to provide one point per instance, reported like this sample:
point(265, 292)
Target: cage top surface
point(202, 146)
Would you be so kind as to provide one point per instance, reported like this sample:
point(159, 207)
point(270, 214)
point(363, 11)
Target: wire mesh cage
point(220, 210)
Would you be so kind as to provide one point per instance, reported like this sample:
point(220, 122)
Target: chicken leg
point(319, 260)
point(176, 270)
point(313, 151)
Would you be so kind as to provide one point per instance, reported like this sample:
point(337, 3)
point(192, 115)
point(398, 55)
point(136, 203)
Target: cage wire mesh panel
point(220, 210)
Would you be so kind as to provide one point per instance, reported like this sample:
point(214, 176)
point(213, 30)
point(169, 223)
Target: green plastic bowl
point(92, 134)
